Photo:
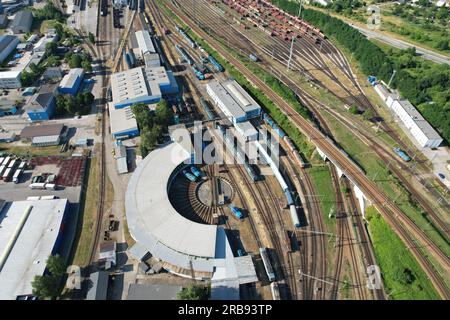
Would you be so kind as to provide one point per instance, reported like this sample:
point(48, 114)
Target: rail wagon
point(402, 154)
point(196, 172)
point(189, 176)
point(275, 291)
point(288, 196)
point(294, 216)
point(216, 64)
point(267, 264)
point(237, 213)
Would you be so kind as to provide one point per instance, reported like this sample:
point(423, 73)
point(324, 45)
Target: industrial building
point(425, 135)
point(31, 231)
point(42, 105)
point(7, 107)
point(247, 131)
point(121, 159)
point(7, 136)
point(10, 79)
point(144, 42)
point(233, 100)
point(53, 73)
point(22, 22)
point(71, 81)
point(182, 246)
point(3, 21)
point(141, 85)
point(7, 45)
point(44, 135)
point(122, 122)
point(152, 60)
point(49, 37)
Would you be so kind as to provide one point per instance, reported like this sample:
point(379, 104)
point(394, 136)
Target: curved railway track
point(390, 211)
point(309, 101)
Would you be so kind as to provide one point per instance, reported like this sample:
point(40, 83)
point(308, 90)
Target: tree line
point(424, 83)
point(151, 125)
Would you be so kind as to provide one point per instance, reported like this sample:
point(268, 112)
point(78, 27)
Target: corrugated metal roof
point(70, 79)
point(22, 19)
point(41, 130)
point(33, 245)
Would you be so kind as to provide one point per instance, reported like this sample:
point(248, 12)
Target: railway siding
point(380, 200)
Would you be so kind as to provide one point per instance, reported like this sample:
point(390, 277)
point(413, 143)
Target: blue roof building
point(42, 106)
point(71, 82)
point(141, 85)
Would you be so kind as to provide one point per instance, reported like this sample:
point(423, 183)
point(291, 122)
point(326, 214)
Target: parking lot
point(68, 174)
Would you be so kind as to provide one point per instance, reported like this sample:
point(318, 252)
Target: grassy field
point(88, 213)
point(402, 276)
point(321, 178)
point(32, 151)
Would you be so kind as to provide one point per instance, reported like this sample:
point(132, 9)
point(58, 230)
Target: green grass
point(32, 151)
point(396, 263)
point(323, 185)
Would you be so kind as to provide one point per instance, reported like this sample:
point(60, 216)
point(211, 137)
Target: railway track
point(389, 211)
point(341, 62)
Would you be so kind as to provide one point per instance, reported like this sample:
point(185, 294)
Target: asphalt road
point(425, 53)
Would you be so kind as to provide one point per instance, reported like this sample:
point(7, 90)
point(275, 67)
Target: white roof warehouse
point(30, 231)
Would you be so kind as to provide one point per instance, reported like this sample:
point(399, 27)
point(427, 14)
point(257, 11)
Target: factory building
point(144, 42)
point(122, 122)
point(233, 100)
point(3, 21)
point(44, 135)
point(7, 44)
point(42, 105)
point(425, 135)
point(31, 231)
point(42, 43)
point(152, 60)
point(22, 22)
point(71, 81)
point(247, 131)
point(141, 85)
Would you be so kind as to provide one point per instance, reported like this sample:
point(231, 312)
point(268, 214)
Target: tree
point(91, 38)
point(162, 113)
point(75, 61)
point(353, 110)
point(149, 140)
point(86, 65)
point(56, 265)
point(50, 48)
point(368, 114)
point(45, 287)
point(59, 30)
point(192, 292)
point(88, 98)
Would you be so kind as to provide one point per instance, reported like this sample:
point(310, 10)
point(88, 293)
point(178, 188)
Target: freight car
point(189, 176)
point(267, 264)
point(402, 154)
point(196, 172)
point(216, 64)
point(237, 213)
